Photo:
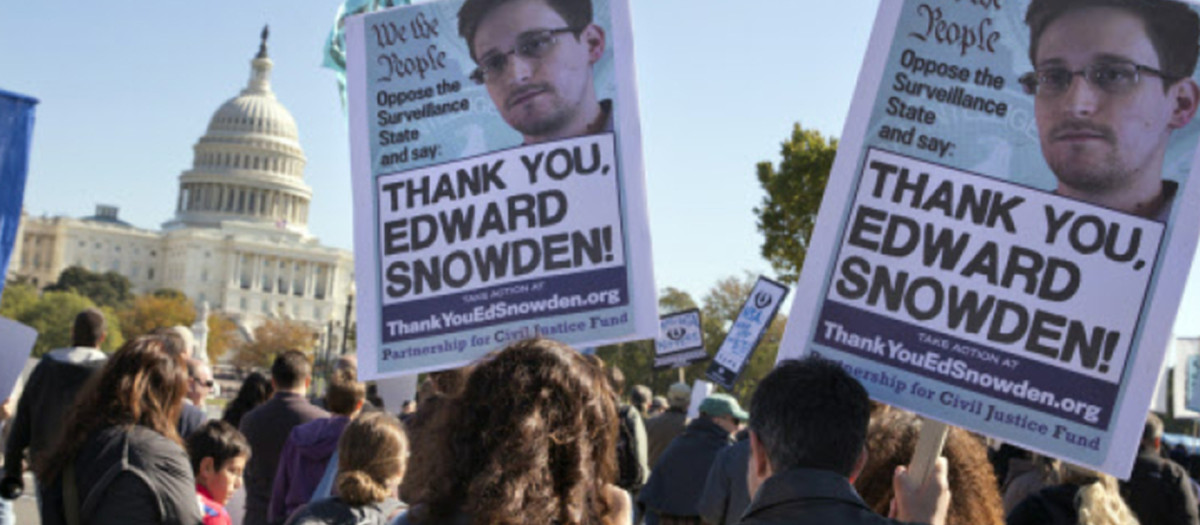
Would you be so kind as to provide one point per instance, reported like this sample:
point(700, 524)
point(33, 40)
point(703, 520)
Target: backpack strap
point(325, 487)
point(70, 494)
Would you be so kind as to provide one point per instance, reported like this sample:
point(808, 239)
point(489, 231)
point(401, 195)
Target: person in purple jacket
point(306, 454)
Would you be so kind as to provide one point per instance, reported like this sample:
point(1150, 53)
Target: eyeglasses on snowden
point(1114, 78)
point(531, 45)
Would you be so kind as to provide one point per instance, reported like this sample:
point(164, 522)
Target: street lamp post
point(346, 320)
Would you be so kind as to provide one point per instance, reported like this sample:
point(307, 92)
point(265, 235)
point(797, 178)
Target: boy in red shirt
point(218, 455)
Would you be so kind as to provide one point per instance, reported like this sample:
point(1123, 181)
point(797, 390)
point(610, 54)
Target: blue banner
point(16, 133)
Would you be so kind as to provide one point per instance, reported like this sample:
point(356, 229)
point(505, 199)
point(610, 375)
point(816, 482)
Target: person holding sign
point(536, 58)
point(808, 428)
point(1105, 135)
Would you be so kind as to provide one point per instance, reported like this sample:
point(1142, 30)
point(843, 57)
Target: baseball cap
point(679, 395)
point(723, 405)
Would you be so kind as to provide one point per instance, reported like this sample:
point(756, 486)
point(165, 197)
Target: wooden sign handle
point(929, 447)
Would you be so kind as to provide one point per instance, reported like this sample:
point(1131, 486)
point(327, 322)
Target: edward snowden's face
point(548, 97)
point(1094, 141)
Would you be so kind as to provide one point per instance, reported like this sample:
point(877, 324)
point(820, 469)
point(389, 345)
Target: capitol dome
point(249, 166)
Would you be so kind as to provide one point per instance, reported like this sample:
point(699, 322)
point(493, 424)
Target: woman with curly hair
point(371, 456)
point(531, 439)
point(119, 459)
point(891, 441)
point(1085, 497)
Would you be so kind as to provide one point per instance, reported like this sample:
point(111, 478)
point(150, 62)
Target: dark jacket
point(302, 464)
point(726, 494)
point(406, 519)
point(1054, 505)
point(1158, 491)
point(809, 496)
point(190, 419)
point(678, 478)
point(267, 428)
point(333, 511)
point(48, 395)
point(661, 430)
point(128, 475)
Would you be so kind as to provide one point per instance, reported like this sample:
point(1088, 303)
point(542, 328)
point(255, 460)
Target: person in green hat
point(672, 494)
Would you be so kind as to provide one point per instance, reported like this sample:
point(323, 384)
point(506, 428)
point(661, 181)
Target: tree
point(223, 334)
point(104, 289)
point(271, 338)
point(149, 312)
point(673, 300)
point(18, 297)
point(53, 316)
point(788, 212)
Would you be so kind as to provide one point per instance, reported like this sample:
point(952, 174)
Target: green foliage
point(18, 297)
point(788, 212)
point(116, 336)
point(673, 300)
point(170, 293)
point(104, 289)
point(272, 337)
point(52, 316)
point(223, 334)
point(150, 312)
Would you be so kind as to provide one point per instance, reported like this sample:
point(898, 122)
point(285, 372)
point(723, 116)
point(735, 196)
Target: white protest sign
point(490, 211)
point(700, 390)
point(748, 328)
point(964, 264)
point(396, 390)
point(1186, 373)
point(680, 340)
point(16, 343)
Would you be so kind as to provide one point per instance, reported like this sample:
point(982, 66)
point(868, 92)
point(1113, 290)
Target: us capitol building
point(239, 240)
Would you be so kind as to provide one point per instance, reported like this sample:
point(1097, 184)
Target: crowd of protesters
point(533, 433)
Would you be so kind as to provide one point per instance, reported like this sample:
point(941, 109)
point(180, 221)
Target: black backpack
point(629, 469)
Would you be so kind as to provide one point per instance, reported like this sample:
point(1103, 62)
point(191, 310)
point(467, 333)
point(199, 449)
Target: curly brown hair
point(531, 439)
point(891, 441)
point(143, 383)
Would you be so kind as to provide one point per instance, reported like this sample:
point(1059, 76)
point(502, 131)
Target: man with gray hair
point(1158, 490)
point(639, 397)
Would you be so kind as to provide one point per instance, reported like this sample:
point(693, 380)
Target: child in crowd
point(372, 454)
point(218, 455)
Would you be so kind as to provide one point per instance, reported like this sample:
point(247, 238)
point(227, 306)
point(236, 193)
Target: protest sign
point(1186, 378)
point(1192, 400)
point(1160, 402)
point(1001, 249)
point(752, 322)
point(394, 391)
point(16, 343)
point(680, 340)
point(700, 390)
point(16, 132)
point(498, 182)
